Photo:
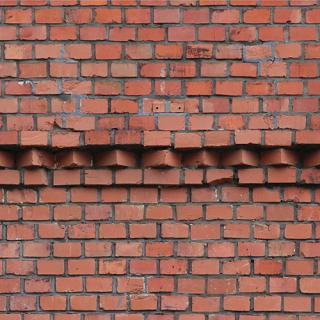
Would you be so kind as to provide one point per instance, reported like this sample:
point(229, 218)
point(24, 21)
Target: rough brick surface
point(159, 160)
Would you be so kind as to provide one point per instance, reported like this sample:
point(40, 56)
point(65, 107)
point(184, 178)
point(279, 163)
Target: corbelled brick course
point(159, 160)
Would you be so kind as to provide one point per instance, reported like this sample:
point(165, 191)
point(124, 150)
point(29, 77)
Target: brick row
point(249, 68)
point(164, 121)
point(205, 15)
point(281, 157)
point(131, 88)
point(160, 138)
point(203, 233)
point(175, 177)
point(114, 31)
point(163, 316)
point(153, 194)
point(162, 3)
point(168, 302)
point(303, 109)
point(166, 212)
point(137, 284)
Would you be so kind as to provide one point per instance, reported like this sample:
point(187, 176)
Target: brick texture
point(159, 160)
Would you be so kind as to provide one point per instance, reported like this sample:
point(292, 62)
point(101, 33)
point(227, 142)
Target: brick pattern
point(161, 167)
point(158, 160)
point(147, 250)
point(159, 67)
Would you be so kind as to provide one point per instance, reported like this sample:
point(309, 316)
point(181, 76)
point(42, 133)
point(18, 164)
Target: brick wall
point(159, 160)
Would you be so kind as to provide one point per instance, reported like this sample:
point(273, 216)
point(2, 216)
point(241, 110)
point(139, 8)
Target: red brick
point(153, 70)
point(83, 194)
point(195, 88)
point(73, 159)
point(107, 51)
point(18, 16)
point(287, 15)
point(250, 212)
point(20, 303)
point(63, 33)
point(187, 140)
point(299, 267)
point(137, 15)
point(255, 52)
point(99, 284)
point(239, 303)
point(240, 157)
point(271, 33)
point(53, 303)
point(168, 51)
point(163, 87)
point(151, 34)
point(225, 16)
point(78, 15)
point(35, 158)
point(174, 302)
point(279, 156)
point(195, 51)
point(256, 16)
point(297, 304)
point(116, 158)
point(272, 211)
point(163, 158)
point(154, 138)
point(312, 159)
point(103, 15)
point(48, 15)
point(81, 267)
point(181, 33)
point(254, 176)
point(303, 33)
point(267, 303)
point(288, 50)
point(166, 15)
point(205, 304)
point(62, 69)
point(18, 88)
point(143, 302)
point(8, 69)
point(256, 284)
point(138, 51)
point(243, 34)
point(83, 303)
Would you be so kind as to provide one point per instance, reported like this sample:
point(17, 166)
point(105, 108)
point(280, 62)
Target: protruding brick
point(119, 158)
point(6, 159)
point(203, 158)
point(240, 157)
point(279, 156)
point(35, 158)
point(161, 158)
point(312, 159)
point(73, 159)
